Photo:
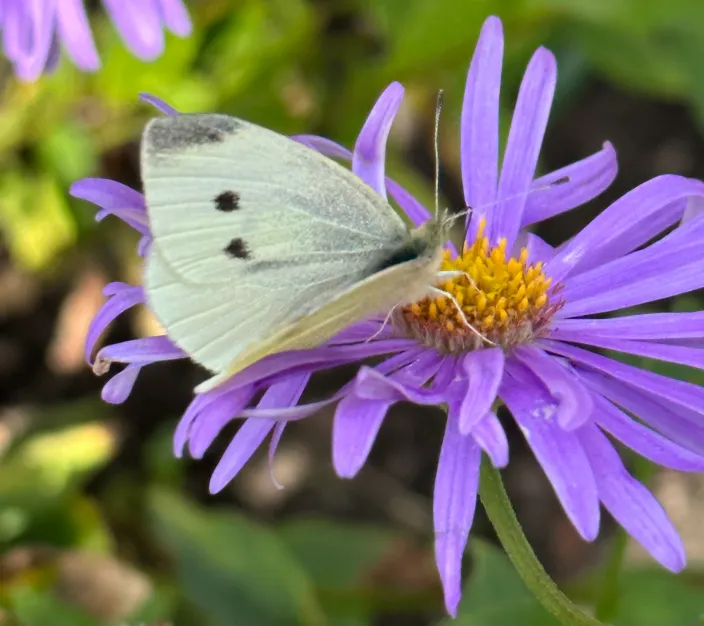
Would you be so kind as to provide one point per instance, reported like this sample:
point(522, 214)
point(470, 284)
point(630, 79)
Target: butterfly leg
point(451, 298)
point(386, 321)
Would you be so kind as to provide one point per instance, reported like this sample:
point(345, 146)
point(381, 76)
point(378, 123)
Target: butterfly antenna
point(438, 109)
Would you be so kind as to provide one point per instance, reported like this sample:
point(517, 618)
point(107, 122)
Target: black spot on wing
point(237, 249)
point(227, 201)
point(175, 132)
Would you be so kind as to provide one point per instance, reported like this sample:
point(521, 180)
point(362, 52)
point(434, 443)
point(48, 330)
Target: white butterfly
point(263, 245)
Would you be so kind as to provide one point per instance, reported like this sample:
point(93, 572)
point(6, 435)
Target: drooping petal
point(574, 402)
point(559, 452)
point(114, 199)
point(273, 445)
point(676, 391)
point(28, 32)
point(158, 104)
point(631, 504)
point(626, 224)
point(538, 249)
point(175, 16)
point(694, 357)
point(647, 443)
point(139, 25)
point(491, 437)
point(644, 326)
point(484, 370)
point(525, 139)
point(682, 426)
point(119, 387)
point(121, 298)
point(139, 351)
point(454, 502)
point(368, 160)
point(75, 34)
point(587, 179)
point(253, 431)
point(479, 135)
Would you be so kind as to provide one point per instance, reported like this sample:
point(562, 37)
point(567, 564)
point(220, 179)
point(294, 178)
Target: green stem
point(608, 592)
point(498, 508)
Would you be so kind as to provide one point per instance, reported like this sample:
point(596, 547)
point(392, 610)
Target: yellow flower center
point(504, 302)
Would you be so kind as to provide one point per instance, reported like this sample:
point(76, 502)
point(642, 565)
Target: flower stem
point(498, 508)
point(608, 592)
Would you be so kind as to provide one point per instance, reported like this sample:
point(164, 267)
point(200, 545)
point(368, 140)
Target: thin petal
point(484, 370)
point(479, 134)
point(645, 326)
point(693, 357)
point(175, 15)
point(273, 445)
point(454, 502)
point(680, 425)
point(538, 249)
point(139, 351)
point(114, 198)
point(370, 149)
point(158, 103)
point(587, 179)
point(559, 452)
point(122, 298)
point(119, 387)
point(644, 441)
point(676, 391)
point(525, 139)
point(574, 402)
point(253, 431)
point(626, 224)
point(491, 437)
point(631, 504)
point(75, 34)
point(139, 25)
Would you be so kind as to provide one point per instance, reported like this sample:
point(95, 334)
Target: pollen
point(503, 301)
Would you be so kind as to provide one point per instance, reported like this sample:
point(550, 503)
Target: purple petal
point(370, 148)
point(253, 431)
point(158, 104)
point(693, 208)
point(626, 224)
point(683, 427)
point(694, 357)
point(119, 387)
point(587, 179)
point(525, 138)
point(273, 445)
point(479, 134)
point(328, 147)
point(644, 441)
point(357, 420)
point(676, 391)
point(139, 351)
point(122, 298)
point(75, 34)
point(214, 417)
point(175, 15)
point(183, 429)
point(114, 198)
point(574, 402)
point(484, 370)
point(559, 452)
point(644, 276)
point(645, 326)
point(631, 504)
point(28, 32)
point(538, 250)
point(454, 501)
point(139, 25)
point(490, 436)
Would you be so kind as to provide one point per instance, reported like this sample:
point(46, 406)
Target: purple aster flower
point(529, 302)
point(32, 31)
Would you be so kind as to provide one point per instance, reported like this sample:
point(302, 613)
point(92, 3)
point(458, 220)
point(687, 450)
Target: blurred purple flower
point(528, 301)
point(33, 31)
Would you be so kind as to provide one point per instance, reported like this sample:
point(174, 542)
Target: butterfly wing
point(251, 232)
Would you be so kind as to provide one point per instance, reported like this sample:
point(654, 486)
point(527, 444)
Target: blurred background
point(100, 525)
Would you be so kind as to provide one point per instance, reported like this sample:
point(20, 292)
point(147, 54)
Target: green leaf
point(236, 571)
point(33, 607)
point(655, 597)
point(495, 595)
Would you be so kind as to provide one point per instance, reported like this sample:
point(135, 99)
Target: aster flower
point(33, 30)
